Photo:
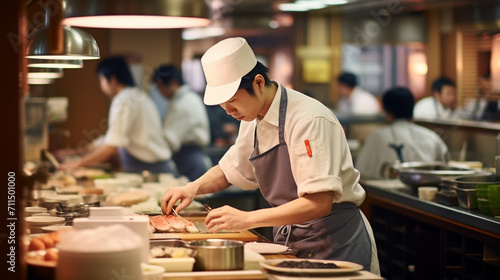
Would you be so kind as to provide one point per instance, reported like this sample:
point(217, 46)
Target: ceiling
point(249, 16)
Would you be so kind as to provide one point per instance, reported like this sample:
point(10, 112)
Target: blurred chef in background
point(354, 99)
point(134, 125)
point(401, 140)
point(186, 126)
point(442, 103)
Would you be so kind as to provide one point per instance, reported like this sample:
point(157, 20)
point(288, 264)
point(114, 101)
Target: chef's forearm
point(212, 181)
point(302, 209)
point(102, 153)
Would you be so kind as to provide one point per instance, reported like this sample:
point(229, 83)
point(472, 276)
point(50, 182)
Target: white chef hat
point(224, 64)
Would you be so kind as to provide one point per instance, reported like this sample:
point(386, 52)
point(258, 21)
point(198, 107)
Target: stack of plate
point(36, 223)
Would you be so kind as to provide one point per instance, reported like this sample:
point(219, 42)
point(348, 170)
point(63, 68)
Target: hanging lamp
point(55, 41)
point(137, 14)
point(55, 63)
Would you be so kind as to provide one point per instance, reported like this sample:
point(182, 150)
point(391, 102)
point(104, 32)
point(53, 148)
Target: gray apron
point(130, 163)
point(341, 235)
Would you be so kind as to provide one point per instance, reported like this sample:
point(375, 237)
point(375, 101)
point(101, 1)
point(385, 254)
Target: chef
point(442, 103)
point(401, 140)
point(186, 125)
point(291, 147)
point(134, 126)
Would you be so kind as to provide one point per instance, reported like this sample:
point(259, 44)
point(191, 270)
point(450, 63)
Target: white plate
point(266, 248)
point(344, 267)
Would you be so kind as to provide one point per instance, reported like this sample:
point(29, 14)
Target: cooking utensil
point(218, 254)
point(416, 174)
point(206, 207)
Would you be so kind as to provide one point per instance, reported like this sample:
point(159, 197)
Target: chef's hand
point(227, 218)
point(69, 166)
point(172, 195)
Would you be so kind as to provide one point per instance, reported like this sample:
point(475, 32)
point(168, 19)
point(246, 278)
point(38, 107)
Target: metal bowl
point(470, 182)
point(218, 254)
point(417, 174)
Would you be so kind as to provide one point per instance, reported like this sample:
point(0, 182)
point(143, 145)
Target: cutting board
point(245, 236)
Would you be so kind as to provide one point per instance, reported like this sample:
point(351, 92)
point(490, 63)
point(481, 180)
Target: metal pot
point(416, 174)
point(218, 254)
point(470, 182)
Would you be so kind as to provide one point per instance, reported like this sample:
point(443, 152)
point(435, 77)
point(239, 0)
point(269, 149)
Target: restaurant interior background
point(385, 42)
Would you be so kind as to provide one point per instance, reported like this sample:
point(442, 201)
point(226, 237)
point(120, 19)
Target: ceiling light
point(55, 63)
point(334, 2)
point(137, 14)
point(40, 81)
point(202, 32)
point(44, 73)
point(301, 6)
point(77, 44)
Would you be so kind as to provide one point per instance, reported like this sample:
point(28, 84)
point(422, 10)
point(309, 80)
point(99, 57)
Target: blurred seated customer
point(354, 99)
point(442, 103)
point(400, 140)
point(134, 125)
point(186, 126)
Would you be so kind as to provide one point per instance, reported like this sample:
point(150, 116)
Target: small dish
point(49, 229)
point(152, 272)
point(265, 248)
point(344, 267)
point(174, 264)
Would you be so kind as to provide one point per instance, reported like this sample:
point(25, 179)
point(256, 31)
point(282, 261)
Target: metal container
point(467, 198)
point(218, 254)
point(480, 185)
point(417, 174)
point(470, 182)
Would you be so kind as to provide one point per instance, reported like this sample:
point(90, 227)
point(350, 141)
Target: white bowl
point(174, 264)
point(55, 228)
point(43, 221)
point(111, 185)
point(152, 272)
point(31, 210)
point(132, 177)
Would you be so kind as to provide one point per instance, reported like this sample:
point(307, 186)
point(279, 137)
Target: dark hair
point(118, 67)
point(247, 80)
point(399, 101)
point(348, 79)
point(438, 84)
point(166, 73)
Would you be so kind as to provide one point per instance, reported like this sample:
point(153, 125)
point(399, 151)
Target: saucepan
point(417, 174)
point(218, 254)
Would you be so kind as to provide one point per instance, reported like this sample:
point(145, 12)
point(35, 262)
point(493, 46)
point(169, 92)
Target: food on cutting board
point(127, 199)
point(171, 223)
point(307, 264)
point(171, 252)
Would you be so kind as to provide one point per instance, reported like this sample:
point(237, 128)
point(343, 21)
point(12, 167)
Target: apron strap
point(281, 120)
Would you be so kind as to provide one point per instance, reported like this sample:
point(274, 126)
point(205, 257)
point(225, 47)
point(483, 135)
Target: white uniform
point(306, 119)
point(186, 121)
point(134, 124)
point(430, 108)
point(361, 102)
point(419, 144)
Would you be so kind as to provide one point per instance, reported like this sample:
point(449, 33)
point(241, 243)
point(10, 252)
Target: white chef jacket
point(361, 102)
point(419, 144)
point(430, 108)
point(134, 124)
point(186, 122)
point(330, 168)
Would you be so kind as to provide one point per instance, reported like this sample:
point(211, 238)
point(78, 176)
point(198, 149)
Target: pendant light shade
point(77, 44)
point(55, 63)
point(40, 81)
point(137, 14)
point(44, 73)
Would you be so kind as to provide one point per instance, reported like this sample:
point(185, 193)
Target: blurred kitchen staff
point(354, 99)
point(291, 147)
point(401, 140)
point(186, 125)
point(134, 126)
point(442, 103)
